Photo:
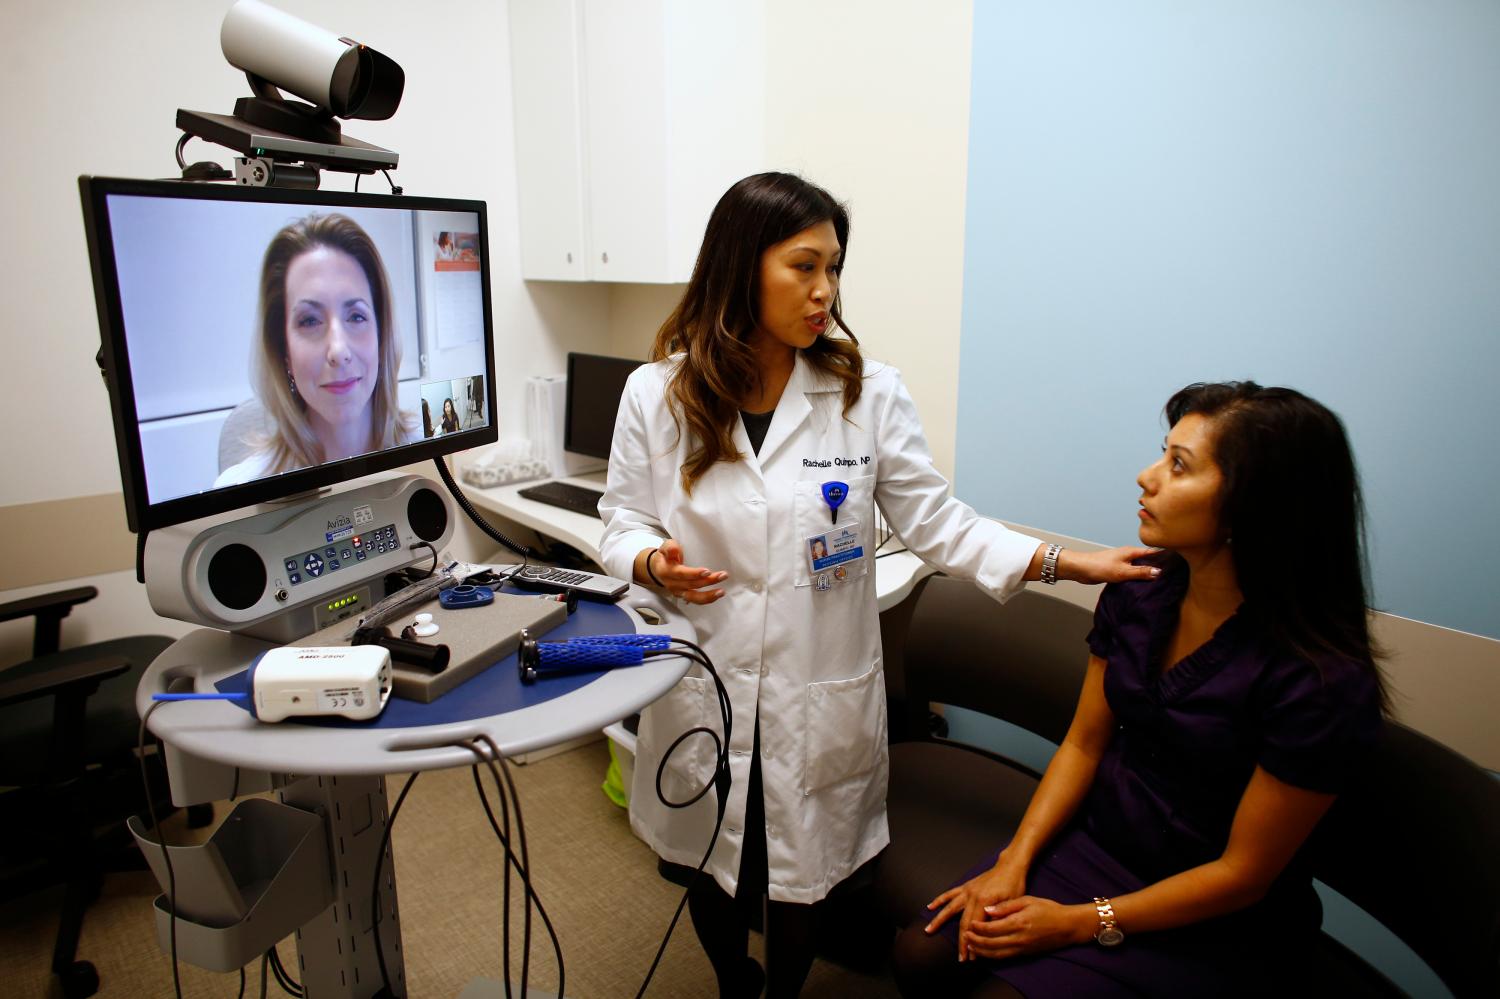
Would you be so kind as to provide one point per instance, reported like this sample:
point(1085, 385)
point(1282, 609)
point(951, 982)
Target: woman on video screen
point(326, 356)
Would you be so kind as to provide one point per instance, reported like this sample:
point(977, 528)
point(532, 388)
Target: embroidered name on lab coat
point(842, 462)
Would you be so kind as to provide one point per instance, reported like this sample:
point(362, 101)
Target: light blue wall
point(1303, 194)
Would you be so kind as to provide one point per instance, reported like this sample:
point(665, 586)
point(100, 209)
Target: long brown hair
point(1290, 484)
point(712, 325)
point(293, 444)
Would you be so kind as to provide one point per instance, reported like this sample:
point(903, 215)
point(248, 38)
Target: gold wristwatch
point(1108, 934)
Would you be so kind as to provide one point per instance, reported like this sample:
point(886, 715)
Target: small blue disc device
point(464, 595)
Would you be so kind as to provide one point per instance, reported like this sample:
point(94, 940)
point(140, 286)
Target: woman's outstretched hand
point(1111, 566)
point(694, 584)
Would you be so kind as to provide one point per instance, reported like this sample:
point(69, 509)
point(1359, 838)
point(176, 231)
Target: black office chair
point(68, 732)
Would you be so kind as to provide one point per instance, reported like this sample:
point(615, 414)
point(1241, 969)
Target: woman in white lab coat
point(746, 468)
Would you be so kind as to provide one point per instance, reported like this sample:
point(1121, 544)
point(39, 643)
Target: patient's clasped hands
point(997, 919)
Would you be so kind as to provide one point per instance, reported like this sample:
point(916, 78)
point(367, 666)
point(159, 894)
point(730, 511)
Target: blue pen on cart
point(833, 495)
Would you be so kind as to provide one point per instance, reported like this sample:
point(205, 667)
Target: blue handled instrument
point(642, 641)
point(538, 659)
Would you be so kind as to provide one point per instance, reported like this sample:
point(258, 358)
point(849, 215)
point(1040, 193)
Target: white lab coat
point(809, 659)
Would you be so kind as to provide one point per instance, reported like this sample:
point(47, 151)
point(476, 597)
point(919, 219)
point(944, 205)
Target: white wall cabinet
point(632, 117)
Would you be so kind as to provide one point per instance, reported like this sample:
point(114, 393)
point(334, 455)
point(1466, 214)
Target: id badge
point(837, 555)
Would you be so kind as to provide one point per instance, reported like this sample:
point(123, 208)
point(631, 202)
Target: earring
point(291, 382)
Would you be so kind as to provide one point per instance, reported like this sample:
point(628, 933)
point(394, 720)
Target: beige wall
point(878, 113)
point(636, 312)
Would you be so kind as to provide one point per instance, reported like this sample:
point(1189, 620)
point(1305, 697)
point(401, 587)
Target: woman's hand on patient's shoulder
point(694, 584)
point(1006, 880)
point(1028, 925)
point(1111, 566)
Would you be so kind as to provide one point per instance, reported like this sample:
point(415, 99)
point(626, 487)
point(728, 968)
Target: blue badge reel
point(833, 495)
point(839, 554)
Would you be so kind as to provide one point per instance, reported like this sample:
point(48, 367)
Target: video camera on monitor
point(285, 142)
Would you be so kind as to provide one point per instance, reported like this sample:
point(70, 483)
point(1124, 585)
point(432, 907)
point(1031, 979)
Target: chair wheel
point(79, 981)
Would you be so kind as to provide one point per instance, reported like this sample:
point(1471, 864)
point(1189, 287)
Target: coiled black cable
point(719, 782)
point(474, 515)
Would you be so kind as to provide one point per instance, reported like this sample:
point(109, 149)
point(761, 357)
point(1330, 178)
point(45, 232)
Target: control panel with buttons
point(351, 550)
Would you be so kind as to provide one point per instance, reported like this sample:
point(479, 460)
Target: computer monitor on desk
point(595, 384)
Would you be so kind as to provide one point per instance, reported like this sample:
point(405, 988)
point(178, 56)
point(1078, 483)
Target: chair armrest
point(61, 600)
point(49, 609)
point(988, 754)
point(64, 679)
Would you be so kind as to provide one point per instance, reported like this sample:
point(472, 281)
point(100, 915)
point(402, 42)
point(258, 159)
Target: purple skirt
point(1219, 957)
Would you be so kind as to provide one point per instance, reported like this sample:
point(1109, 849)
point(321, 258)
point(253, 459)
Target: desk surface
point(224, 732)
point(895, 573)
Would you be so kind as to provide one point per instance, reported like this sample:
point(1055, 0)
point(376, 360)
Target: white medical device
point(354, 682)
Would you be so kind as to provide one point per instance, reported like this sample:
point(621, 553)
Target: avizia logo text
point(340, 522)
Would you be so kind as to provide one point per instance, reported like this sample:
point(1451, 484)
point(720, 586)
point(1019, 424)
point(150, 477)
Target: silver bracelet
point(1049, 564)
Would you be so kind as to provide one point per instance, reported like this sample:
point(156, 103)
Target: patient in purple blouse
point(1225, 704)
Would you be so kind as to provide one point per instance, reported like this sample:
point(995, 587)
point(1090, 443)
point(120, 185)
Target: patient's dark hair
point(1292, 507)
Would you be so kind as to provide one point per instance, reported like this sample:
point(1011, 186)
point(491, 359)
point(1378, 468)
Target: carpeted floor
point(597, 881)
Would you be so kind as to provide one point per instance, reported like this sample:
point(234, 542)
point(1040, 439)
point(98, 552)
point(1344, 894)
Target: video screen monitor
point(595, 385)
point(259, 343)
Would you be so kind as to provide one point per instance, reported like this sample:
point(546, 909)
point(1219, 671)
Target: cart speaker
point(236, 576)
point(427, 514)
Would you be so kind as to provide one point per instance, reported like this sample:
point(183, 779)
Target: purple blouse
point(1165, 794)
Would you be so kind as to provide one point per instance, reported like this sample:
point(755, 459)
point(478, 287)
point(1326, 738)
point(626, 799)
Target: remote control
point(550, 579)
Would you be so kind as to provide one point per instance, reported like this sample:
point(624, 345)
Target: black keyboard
point(578, 499)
